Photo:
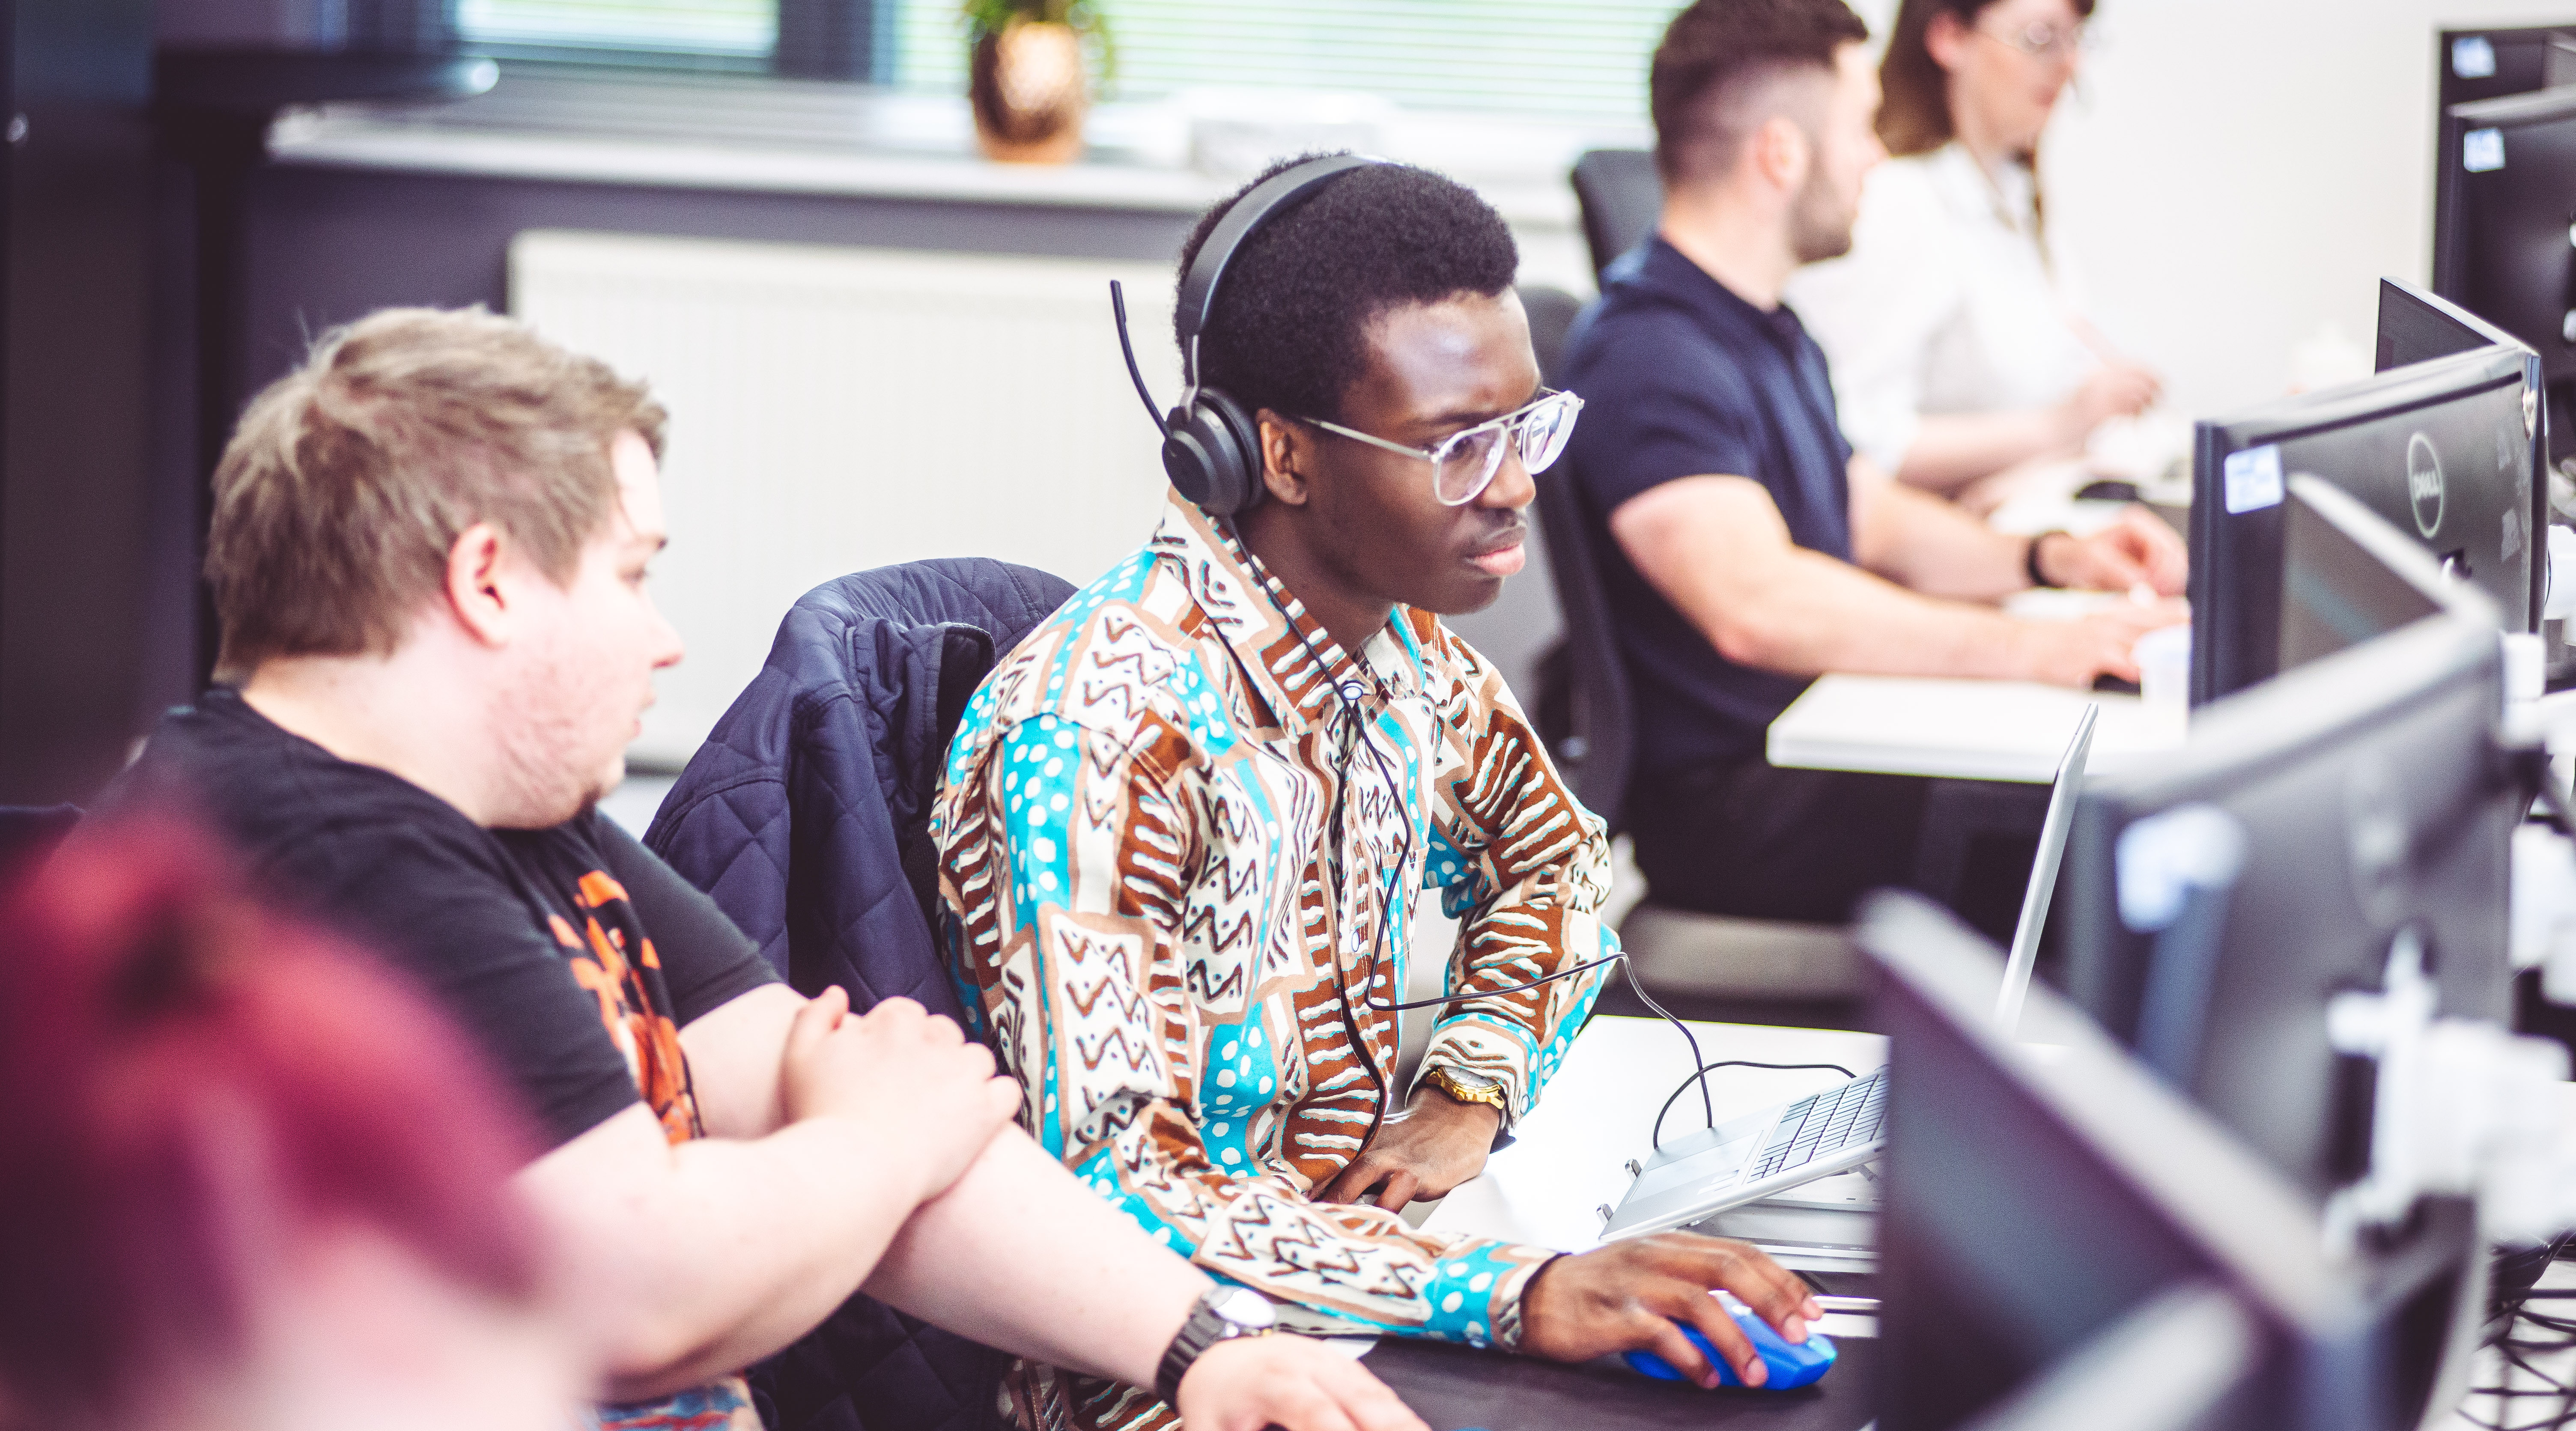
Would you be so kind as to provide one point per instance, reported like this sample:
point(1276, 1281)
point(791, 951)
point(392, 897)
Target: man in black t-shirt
point(428, 556)
point(1744, 547)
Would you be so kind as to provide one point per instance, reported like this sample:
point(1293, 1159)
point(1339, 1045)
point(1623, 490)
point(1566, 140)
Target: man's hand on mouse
point(1627, 1295)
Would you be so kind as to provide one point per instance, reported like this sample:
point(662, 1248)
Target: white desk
point(1959, 729)
point(1599, 1112)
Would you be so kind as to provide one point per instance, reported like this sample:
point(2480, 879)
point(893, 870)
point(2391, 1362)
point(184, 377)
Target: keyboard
point(1824, 1123)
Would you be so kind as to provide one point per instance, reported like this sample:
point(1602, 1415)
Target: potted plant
point(1025, 75)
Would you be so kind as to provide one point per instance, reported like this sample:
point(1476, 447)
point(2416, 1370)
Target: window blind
point(1531, 57)
point(706, 27)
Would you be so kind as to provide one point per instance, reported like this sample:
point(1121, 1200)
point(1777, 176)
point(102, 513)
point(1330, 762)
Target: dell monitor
point(2042, 1200)
point(2360, 796)
point(2441, 449)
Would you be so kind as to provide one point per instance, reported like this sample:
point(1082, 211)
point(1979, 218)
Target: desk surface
point(1569, 1156)
point(1454, 1387)
point(1959, 729)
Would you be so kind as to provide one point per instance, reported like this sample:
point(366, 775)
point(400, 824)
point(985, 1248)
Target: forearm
point(1932, 548)
point(1019, 1255)
point(730, 1250)
point(1951, 450)
point(1822, 615)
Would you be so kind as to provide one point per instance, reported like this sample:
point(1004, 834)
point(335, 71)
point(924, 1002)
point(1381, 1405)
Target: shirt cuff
point(1506, 1304)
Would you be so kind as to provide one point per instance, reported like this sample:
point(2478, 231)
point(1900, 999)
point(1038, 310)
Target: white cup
point(2164, 668)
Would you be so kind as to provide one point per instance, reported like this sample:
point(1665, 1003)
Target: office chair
point(1675, 951)
point(1551, 317)
point(1621, 196)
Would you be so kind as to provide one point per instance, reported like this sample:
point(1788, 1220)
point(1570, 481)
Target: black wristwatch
point(2030, 558)
point(1221, 1314)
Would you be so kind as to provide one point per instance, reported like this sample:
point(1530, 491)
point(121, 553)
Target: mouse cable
point(1701, 1078)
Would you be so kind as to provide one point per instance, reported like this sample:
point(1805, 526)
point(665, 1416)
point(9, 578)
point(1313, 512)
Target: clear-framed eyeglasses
point(1463, 464)
point(2044, 41)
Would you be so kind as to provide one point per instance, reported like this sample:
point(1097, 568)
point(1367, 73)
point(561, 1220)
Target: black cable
point(1707, 1104)
point(1701, 1078)
point(1118, 303)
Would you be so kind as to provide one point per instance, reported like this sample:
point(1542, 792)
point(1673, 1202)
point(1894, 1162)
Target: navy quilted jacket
point(804, 817)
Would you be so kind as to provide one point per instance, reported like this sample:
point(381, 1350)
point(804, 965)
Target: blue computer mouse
point(1791, 1364)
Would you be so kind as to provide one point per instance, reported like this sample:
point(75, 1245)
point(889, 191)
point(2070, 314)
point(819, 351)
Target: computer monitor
point(2417, 327)
point(2487, 64)
point(2042, 1199)
point(2182, 1362)
point(2442, 449)
point(2503, 175)
point(2366, 793)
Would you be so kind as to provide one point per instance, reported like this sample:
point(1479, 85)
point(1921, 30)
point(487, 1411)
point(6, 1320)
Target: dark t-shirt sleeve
point(451, 914)
point(707, 961)
point(1661, 403)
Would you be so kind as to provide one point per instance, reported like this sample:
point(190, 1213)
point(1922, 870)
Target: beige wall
point(2239, 173)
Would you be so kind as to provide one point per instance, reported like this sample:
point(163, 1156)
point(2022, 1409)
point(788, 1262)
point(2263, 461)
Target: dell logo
point(2424, 483)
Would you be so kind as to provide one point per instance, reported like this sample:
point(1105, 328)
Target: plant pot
point(1027, 87)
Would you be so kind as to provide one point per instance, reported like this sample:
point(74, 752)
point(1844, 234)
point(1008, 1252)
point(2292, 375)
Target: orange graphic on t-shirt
point(645, 1036)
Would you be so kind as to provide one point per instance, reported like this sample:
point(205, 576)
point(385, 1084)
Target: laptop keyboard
point(1825, 1123)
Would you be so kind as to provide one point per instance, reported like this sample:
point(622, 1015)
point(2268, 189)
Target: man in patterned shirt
point(1182, 823)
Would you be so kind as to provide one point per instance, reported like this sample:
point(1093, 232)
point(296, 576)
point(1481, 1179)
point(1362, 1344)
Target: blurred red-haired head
point(194, 1083)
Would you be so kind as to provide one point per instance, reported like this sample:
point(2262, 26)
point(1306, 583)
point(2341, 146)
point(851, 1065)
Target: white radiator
point(834, 409)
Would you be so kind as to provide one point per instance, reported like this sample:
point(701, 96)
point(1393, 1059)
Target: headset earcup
point(1213, 454)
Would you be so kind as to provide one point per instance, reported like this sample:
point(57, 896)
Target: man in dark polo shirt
point(1745, 547)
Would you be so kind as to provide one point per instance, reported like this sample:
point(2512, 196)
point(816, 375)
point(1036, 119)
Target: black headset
point(1211, 445)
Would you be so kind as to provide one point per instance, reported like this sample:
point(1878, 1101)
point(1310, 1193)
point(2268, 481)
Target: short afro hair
point(1289, 329)
point(1715, 56)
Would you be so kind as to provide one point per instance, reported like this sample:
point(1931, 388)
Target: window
point(1575, 59)
point(1583, 59)
point(732, 28)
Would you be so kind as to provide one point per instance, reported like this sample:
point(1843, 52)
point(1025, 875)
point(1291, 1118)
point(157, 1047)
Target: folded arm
point(703, 1257)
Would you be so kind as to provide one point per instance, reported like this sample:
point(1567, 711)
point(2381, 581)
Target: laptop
point(1778, 1149)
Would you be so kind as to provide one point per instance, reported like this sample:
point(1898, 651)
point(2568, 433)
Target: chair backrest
point(1600, 745)
point(1621, 196)
point(804, 815)
point(1552, 312)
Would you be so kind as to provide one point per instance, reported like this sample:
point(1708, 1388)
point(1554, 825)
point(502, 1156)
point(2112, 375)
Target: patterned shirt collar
point(1301, 680)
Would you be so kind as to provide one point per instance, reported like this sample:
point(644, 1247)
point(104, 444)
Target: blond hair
point(348, 481)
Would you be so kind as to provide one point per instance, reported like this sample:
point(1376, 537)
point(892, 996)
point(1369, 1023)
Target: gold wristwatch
point(1470, 1088)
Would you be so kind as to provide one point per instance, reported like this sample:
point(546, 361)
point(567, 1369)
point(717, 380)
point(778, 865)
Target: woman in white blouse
point(1954, 328)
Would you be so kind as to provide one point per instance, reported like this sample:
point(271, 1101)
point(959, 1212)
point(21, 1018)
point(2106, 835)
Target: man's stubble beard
point(546, 775)
point(1820, 225)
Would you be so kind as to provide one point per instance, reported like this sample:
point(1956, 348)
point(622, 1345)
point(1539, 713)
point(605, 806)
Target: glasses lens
point(1467, 465)
point(1545, 430)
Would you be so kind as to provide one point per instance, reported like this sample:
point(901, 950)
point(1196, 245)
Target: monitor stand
point(1829, 1225)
